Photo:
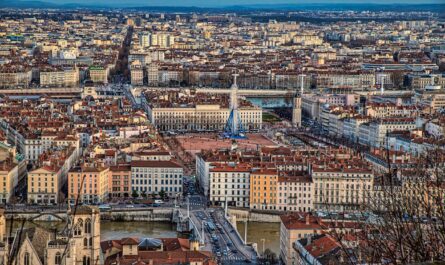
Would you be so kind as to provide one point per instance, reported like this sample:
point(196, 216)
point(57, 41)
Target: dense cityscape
point(204, 136)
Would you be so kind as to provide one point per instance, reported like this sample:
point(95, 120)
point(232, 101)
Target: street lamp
point(264, 241)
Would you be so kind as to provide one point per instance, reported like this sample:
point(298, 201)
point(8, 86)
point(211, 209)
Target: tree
point(134, 194)
point(269, 257)
point(398, 79)
point(162, 194)
point(144, 194)
point(442, 67)
point(406, 216)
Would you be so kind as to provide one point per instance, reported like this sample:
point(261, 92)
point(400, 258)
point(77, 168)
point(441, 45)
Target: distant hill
point(438, 8)
point(41, 4)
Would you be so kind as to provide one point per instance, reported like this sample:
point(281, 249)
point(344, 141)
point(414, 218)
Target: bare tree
point(404, 219)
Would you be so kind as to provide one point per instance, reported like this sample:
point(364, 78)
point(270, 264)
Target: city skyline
point(222, 132)
point(228, 3)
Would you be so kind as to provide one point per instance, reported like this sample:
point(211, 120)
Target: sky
point(219, 3)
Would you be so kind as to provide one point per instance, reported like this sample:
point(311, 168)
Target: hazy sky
point(215, 3)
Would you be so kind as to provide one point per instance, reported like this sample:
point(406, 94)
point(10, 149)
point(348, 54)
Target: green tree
point(135, 194)
point(162, 194)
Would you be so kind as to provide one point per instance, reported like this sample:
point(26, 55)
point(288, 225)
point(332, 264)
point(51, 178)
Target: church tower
point(86, 234)
point(296, 110)
point(296, 106)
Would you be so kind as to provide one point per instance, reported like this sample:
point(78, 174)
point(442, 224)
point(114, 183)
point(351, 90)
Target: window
point(58, 259)
point(86, 260)
point(88, 226)
point(85, 242)
point(26, 259)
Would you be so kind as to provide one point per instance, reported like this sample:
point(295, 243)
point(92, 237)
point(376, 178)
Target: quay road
point(241, 91)
point(219, 236)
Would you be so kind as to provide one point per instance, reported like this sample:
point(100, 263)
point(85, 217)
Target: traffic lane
point(234, 238)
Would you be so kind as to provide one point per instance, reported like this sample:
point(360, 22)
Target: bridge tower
point(234, 127)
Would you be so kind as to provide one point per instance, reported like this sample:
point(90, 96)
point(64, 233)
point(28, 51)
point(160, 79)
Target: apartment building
point(9, 177)
point(355, 81)
point(434, 99)
point(153, 74)
point(98, 74)
point(159, 39)
point(295, 192)
point(263, 189)
point(45, 183)
point(294, 227)
point(58, 77)
point(381, 110)
point(230, 183)
point(422, 81)
point(311, 104)
point(148, 177)
point(137, 74)
point(342, 188)
point(15, 78)
point(88, 183)
point(375, 132)
point(351, 127)
point(119, 181)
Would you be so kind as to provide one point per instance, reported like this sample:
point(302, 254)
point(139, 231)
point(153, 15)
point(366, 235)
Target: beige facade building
point(44, 184)
point(230, 184)
point(341, 189)
point(295, 227)
point(295, 193)
point(202, 117)
point(15, 79)
point(153, 74)
point(137, 74)
point(88, 184)
point(98, 74)
point(9, 177)
point(59, 77)
point(149, 176)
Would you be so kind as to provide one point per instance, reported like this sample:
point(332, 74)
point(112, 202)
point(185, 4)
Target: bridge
point(215, 232)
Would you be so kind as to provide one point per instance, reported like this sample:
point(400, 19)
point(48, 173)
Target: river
point(257, 231)
point(117, 230)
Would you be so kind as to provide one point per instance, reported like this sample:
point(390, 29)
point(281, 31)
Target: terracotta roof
point(130, 241)
point(146, 163)
point(322, 246)
point(301, 221)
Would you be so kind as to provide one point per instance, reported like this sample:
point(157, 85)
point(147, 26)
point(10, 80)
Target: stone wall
point(252, 216)
point(149, 215)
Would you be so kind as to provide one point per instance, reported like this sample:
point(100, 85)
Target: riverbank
point(127, 215)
